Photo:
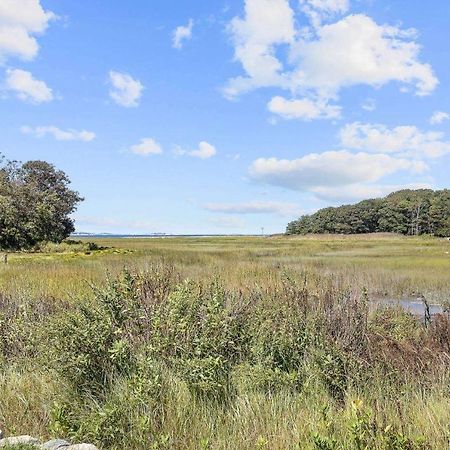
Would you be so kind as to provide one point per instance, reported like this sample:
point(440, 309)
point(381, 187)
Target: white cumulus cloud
point(354, 50)
point(147, 146)
point(125, 90)
point(405, 140)
point(204, 151)
point(267, 24)
point(26, 87)
point(329, 169)
point(304, 109)
point(438, 117)
point(181, 34)
point(319, 10)
point(59, 134)
point(20, 22)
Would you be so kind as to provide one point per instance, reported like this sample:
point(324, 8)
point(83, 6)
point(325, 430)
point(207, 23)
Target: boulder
point(16, 440)
point(56, 444)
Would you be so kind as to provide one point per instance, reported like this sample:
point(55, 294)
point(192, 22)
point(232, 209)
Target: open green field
point(227, 343)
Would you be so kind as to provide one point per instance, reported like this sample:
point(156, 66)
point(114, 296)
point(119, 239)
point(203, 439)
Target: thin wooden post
point(427, 312)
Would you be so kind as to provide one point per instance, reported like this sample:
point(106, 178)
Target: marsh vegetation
point(225, 343)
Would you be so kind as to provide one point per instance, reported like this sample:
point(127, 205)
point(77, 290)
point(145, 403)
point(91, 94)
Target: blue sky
point(226, 116)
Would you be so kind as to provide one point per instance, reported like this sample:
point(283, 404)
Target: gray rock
point(56, 444)
point(19, 440)
point(82, 447)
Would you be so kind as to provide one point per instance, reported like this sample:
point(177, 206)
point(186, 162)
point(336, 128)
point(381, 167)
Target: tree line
point(35, 204)
point(409, 212)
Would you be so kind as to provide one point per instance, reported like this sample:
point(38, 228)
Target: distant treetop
point(409, 212)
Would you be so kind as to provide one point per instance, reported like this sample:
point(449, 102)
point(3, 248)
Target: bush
point(199, 336)
point(207, 377)
point(89, 349)
point(279, 340)
point(147, 343)
point(333, 371)
point(131, 412)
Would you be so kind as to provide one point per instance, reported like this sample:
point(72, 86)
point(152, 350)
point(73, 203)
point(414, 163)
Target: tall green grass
point(205, 345)
point(384, 264)
point(227, 343)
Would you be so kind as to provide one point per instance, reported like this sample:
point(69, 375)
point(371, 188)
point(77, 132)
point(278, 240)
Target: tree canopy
point(410, 212)
point(35, 204)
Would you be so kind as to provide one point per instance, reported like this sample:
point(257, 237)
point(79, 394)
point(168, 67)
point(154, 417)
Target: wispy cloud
point(438, 117)
point(255, 207)
point(58, 133)
point(369, 104)
point(108, 224)
point(181, 34)
point(227, 222)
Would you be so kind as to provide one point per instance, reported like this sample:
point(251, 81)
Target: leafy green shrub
point(105, 424)
point(325, 443)
point(132, 411)
point(146, 338)
point(146, 384)
point(94, 343)
point(279, 341)
point(88, 349)
point(333, 371)
point(200, 336)
point(207, 377)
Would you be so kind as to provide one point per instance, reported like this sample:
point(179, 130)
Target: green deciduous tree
point(411, 212)
point(35, 204)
